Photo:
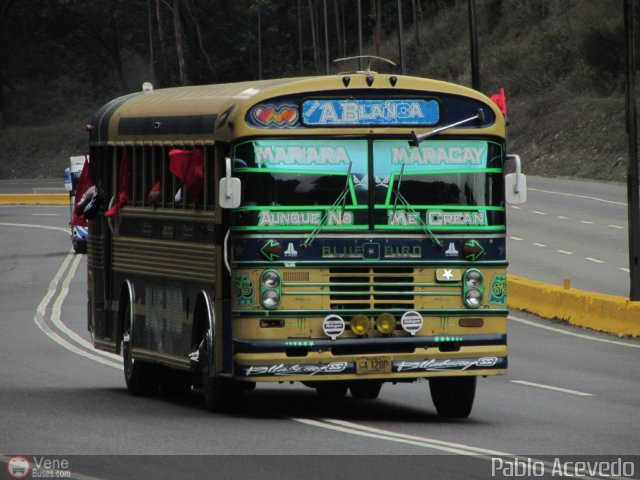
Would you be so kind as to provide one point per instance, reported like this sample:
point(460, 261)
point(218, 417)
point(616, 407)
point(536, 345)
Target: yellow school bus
point(343, 231)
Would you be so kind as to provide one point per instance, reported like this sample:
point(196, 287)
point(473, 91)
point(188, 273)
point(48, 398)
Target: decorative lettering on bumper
point(336, 368)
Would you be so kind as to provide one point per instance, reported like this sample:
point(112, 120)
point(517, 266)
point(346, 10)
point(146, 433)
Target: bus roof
point(208, 113)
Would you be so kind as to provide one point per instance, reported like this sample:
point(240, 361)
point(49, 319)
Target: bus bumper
point(316, 361)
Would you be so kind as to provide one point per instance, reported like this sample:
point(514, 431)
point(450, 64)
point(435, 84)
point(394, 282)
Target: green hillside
point(561, 63)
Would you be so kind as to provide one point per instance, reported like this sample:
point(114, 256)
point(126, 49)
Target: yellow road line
point(34, 199)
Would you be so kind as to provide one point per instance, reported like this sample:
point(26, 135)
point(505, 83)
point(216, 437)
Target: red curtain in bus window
point(84, 183)
point(123, 186)
point(188, 166)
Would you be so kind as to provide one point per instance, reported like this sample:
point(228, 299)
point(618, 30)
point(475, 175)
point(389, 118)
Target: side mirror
point(230, 188)
point(515, 184)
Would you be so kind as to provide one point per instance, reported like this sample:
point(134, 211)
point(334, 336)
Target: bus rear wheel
point(453, 396)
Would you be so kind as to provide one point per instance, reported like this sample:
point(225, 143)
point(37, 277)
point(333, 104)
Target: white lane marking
point(517, 239)
point(354, 429)
point(414, 440)
point(542, 245)
point(562, 217)
point(615, 226)
point(586, 222)
point(572, 334)
point(625, 269)
point(364, 428)
point(549, 387)
point(41, 311)
point(565, 252)
point(45, 214)
point(26, 225)
point(56, 315)
point(578, 196)
point(515, 208)
point(538, 213)
point(57, 307)
point(594, 260)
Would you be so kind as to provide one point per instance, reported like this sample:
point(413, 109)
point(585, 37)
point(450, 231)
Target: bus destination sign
point(355, 112)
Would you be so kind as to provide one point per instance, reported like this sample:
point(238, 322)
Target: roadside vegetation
point(561, 63)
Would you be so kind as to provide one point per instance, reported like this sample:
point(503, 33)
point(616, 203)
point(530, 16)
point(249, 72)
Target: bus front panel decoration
point(351, 233)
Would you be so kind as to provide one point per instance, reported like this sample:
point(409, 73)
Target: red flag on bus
point(123, 187)
point(188, 166)
point(84, 183)
point(500, 99)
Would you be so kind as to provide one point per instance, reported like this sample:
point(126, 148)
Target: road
point(574, 230)
point(568, 392)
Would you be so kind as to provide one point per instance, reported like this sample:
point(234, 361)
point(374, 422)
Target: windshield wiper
point(416, 139)
point(341, 200)
point(398, 196)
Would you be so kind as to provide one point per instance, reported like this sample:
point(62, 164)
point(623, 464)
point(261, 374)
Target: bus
point(343, 231)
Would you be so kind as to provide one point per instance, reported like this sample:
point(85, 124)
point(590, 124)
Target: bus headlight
point(386, 323)
point(270, 298)
point(473, 298)
point(360, 324)
point(271, 279)
point(473, 288)
point(270, 288)
point(473, 278)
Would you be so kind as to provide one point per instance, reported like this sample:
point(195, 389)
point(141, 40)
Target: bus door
point(101, 316)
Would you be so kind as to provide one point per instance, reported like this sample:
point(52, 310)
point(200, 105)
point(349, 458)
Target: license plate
point(373, 365)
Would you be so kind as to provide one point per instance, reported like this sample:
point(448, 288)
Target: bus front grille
point(371, 288)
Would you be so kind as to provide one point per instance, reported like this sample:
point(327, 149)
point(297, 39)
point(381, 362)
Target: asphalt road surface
point(574, 230)
point(568, 392)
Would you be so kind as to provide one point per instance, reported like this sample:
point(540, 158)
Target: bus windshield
point(411, 186)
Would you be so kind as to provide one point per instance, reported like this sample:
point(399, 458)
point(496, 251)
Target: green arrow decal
point(271, 250)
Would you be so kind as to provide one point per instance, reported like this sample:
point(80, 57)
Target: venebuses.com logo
point(39, 467)
point(18, 467)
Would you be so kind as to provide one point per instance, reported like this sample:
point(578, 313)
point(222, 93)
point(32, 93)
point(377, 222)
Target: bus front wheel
point(453, 396)
point(140, 377)
point(218, 393)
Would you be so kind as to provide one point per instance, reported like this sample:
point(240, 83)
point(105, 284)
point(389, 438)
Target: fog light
point(360, 324)
point(386, 323)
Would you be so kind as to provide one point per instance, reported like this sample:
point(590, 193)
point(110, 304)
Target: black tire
point(453, 396)
point(174, 383)
point(332, 390)
point(219, 393)
point(365, 389)
point(141, 377)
